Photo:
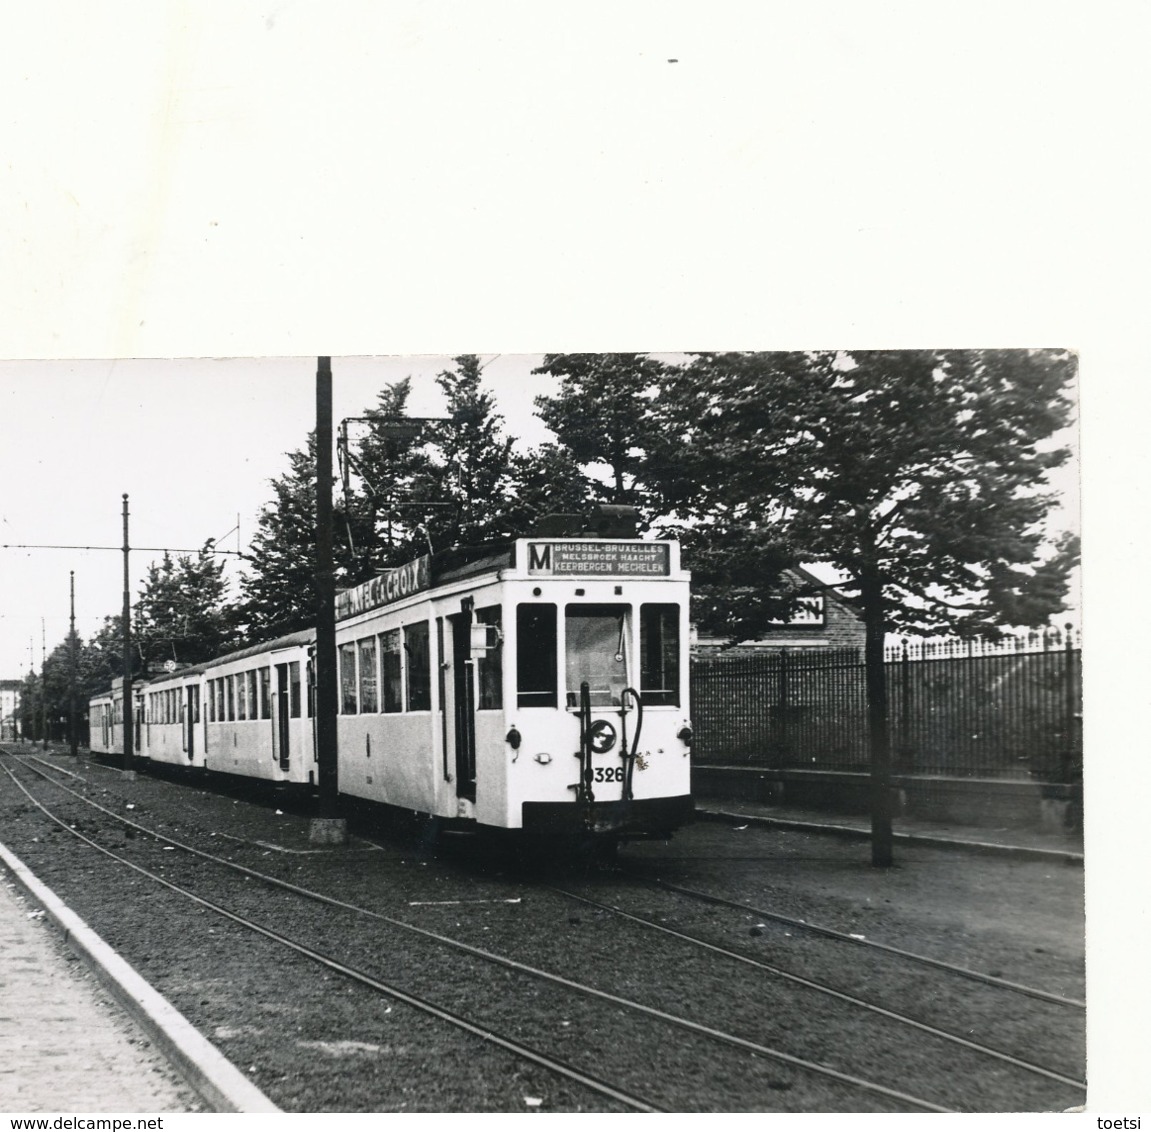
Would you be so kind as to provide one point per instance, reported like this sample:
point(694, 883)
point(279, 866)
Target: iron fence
point(1008, 709)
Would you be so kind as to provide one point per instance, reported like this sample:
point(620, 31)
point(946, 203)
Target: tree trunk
point(879, 739)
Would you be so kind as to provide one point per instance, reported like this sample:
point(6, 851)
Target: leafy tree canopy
point(602, 415)
point(919, 475)
point(183, 613)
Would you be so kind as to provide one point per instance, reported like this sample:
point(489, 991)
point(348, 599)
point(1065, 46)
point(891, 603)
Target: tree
point(546, 480)
point(603, 416)
point(920, 476)
point(278, 587)
point(183, 613)
point(384, 476)
point(471, 468)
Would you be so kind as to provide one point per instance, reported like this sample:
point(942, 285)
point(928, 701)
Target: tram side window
point(348, 679)
point(265, 693)
point(253, 702)
point(536, 655)
point(419, 666)
point(390, 658)
point(659, 654)
point(294, 689)
point(596, 653)
point(369, 700)
point(231, 685)
point(491, 664)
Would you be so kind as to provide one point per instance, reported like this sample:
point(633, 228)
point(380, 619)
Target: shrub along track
point(655, 1048)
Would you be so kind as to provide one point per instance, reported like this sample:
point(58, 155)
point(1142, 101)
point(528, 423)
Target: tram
point(538, 685)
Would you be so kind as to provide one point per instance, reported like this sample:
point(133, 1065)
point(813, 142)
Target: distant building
point(824, 620)
point(10, 708)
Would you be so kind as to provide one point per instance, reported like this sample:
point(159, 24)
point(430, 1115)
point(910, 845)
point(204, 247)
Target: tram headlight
point(514, 738)
point(684, 734)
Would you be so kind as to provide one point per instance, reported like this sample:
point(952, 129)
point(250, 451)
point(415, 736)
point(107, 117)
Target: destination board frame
point(605, 558)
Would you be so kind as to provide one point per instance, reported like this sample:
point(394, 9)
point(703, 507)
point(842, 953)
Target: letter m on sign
point(539, 557)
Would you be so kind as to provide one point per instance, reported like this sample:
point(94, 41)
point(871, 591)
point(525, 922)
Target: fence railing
point(1005, 709)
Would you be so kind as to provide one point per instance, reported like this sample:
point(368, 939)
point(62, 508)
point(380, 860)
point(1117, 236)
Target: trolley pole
point(127, 635)
point(328, 828)
point(73, 738)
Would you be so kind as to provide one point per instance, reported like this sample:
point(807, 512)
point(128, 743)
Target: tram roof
point(300, 637)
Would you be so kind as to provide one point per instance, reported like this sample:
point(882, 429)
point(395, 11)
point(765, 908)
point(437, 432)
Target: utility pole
point(43, 685)
point(73, 738)
point(328, 827)
point(127, 635)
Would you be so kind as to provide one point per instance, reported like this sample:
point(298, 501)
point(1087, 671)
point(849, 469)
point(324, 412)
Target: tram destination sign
point(385, 588)
point(635, 559)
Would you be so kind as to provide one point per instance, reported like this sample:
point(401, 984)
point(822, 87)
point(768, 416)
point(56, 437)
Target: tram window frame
point(418, 666)
point(369, 676)
point(537, 654)
point(293, 689)
point(349, 704)
point(619, 612)
point(660, 619)
point(265, 692)
point(490, 666)
point(391, 672)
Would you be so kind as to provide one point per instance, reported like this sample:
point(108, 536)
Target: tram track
point(656, 1016)
point(866, 944)
point(824, 988)
point(616, 1001)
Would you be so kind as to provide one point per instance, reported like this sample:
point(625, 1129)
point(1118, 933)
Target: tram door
point(191, 718)
point(463, 704)
point(283, 706)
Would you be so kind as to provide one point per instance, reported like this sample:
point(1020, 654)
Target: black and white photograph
point(737, 717)
point(566, 561)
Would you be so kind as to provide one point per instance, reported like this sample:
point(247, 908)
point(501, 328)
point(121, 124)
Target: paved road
point(64, 1047)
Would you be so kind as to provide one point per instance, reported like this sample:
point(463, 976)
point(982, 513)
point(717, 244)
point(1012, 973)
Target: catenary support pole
point(127, 637)
point(43, 685)
point(73, 738)
point(328, 827)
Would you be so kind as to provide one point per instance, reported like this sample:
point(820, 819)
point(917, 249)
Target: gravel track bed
point(1033, 1030)
point(316, 1043)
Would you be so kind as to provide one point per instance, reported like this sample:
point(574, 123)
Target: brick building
point(825, 620)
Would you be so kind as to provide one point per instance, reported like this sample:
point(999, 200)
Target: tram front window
point(596, 652)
